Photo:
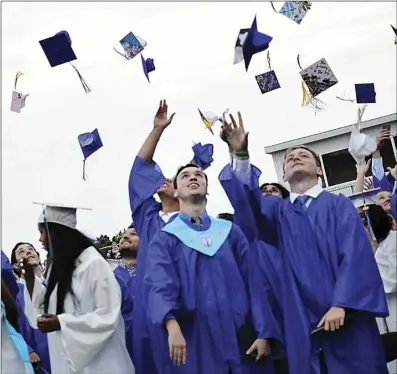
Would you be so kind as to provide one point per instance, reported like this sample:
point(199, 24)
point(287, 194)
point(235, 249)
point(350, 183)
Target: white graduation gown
point(92, 337)
point(386, 258)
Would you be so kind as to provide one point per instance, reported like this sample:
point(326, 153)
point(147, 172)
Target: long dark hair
point(11, 307)
point(381, 222)
point(67, 245)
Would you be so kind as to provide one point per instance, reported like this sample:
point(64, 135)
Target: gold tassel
point(309, 100)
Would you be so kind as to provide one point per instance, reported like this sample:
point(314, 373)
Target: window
point(339, 166)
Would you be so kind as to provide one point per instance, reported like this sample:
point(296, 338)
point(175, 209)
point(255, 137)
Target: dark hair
point(131, 226)
point(183, 168)
point(11, 307)
point(67, 245)
point(283, 190)
point(226, 216)
point(14, 250)
point(381, 222)
point(314, 154)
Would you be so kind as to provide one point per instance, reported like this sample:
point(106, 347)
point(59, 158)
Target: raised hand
point(161, 120)
point(234, 135)
point(393, 172)
point(363, 168)
point(382, 138)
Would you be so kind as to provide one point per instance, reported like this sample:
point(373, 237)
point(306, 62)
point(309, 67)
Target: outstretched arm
point(146, 176)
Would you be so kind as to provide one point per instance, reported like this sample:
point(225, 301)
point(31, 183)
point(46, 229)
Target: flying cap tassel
point(17, 75)
point(371, 231)
point(83, 82)
point(84, 174)
point(360, 113)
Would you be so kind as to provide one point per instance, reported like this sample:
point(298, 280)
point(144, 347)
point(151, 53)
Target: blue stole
point(206, 242)
point(18, 341)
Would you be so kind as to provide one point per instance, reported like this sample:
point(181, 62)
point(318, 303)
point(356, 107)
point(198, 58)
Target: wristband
point(242, 156)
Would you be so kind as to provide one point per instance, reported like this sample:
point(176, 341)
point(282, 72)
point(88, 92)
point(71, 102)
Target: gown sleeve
point(393, 202)
point(263, 319)
point(7, 275)
point(386, 258)
point(145, 179)
point(84, 336)
point(243, 193)
point(380, 179)
point(161, 281)
point(358, 285)
point(34, 306)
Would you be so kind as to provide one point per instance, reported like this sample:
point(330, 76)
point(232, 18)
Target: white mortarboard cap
point(364, 198)
point(61, 214)
point(361, 145)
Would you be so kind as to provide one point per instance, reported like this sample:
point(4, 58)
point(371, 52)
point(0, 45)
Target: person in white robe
point(86, 334)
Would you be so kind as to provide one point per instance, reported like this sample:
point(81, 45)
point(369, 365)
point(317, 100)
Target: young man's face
point(191, 182)
point(28, 253)
point(129, 242)
point(300, 163)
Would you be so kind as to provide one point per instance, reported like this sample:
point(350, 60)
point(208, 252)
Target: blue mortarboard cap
point(90, 142)
point(365, 93)
point(254, 43)
point(203, 155)
point(58, 49)
point(364, 198)
point(148, 66)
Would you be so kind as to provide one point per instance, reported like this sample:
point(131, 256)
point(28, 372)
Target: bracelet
point(242, 156)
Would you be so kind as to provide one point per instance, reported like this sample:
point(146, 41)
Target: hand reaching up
point(234, 135)
point(161, 120)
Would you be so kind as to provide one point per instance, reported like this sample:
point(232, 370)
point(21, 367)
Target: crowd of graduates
point(297, 280)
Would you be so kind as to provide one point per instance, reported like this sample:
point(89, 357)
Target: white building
point(332, 147)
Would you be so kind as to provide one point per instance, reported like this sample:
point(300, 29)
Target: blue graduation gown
point(327, 261)
point(35, 339)
point(7, 275)
point(145, 179)
point(209, 298)
point(126, 283)
point(393, 205)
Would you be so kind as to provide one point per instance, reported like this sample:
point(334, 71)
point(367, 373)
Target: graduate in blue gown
point(149, 216)
point(125, 274)
point(328, 269)
point(197, 279)
point(35, 340)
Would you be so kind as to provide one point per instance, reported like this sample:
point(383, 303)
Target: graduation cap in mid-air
point(294, 10)
point(89, 142)
point(210, 118)
point(316, 79)
point(395, 32)
point(18, 99)
point(249, 42)
point(268, 81)
point(360, 145)
point(365, 198)
point(58, 50)
point(148, 66)
point(132, 46)
point(365, 93)
point(203, 155)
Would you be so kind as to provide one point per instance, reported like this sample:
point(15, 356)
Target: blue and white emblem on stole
point(207, 242)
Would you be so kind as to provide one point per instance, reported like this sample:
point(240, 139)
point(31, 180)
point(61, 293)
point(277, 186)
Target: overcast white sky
point(193, 47)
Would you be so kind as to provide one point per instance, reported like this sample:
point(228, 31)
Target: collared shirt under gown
point(327, 261)
point(145, 179)
point(209, 297)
